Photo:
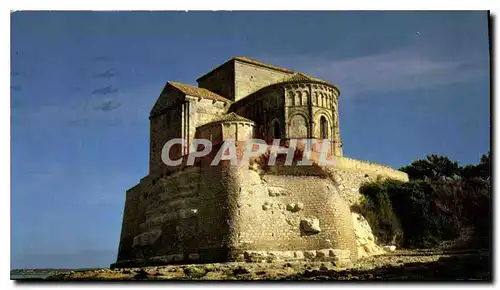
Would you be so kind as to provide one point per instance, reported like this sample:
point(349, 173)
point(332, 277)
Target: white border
point(195, 5)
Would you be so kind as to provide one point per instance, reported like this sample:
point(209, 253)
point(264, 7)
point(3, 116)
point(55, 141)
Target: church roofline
point(187, 90)
point(295, 78)
point(229, 118)
point(246, 60)
point(198, 92)
point(303, 78)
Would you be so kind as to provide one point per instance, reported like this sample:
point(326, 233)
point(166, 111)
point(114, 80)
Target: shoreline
point(401, 265)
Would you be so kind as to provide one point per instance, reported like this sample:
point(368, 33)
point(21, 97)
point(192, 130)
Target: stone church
point(206, 214)
point(283, 104)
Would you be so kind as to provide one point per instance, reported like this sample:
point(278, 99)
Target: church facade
point(192, 214)
point(282, 103)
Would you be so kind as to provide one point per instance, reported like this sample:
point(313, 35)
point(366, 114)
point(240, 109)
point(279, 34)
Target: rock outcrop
point(364, 237)
point(310, 225)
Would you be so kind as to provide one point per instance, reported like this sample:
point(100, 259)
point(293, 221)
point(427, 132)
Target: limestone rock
point(255, 256)
point(295, 207)
point(391, 248)
point(322, 253)
point(310, 225)
point(343, 263)
point(287, 255)
point(298, 206)
point(309, 254)
point(252, 178)
point(364, 237)
point(339, 255)
point(254, 166)
point(298, 255)
point(276, 191)
point(272, 256)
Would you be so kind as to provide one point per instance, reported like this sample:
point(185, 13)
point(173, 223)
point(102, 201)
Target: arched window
point(323, 128)
point(291, 99)
point(298, 100)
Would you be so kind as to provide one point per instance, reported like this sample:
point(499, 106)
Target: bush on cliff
point(376, 207)
point(438, 203)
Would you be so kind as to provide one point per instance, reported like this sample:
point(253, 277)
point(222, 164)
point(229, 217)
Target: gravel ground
point(430, 265)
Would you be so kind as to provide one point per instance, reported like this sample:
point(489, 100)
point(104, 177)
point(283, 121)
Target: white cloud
point(402, 69)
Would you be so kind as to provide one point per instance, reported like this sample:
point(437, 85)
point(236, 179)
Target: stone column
point(311, 117)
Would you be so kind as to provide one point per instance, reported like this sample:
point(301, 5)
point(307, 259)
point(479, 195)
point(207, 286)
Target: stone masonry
point(247, 212)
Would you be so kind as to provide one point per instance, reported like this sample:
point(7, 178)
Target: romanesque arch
point(305, 97)
point(323, 124)
point(291, 98)
point(275, 129)
point(323, 127)
point(298, 98)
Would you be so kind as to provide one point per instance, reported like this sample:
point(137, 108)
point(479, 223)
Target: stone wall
point(306, 105)
point(220, 81)
point(265, 108)
point(220, 131)
point(212, 132)
point(132, 214)
point(179, 120)
point(236, 79)
point(272, 210)
point(218, 213)
point(296, 110)
point(250, 78)
point(203, 111)
point(166, 122)
point(370, 167)
point(349, 174)
point(182, 217)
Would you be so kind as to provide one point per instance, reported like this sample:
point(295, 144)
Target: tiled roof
point(300, 77)
point(256, 62)
point(232, 117)
point(198, 92)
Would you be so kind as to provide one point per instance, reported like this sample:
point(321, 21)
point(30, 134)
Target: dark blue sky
point(82, 85)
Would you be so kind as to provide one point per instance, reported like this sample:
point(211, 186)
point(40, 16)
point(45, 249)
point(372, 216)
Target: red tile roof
point(198, 92)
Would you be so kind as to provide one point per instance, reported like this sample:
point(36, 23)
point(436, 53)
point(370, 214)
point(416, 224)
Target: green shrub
point(421, 213)
point(377, 208)
point(439, 203)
